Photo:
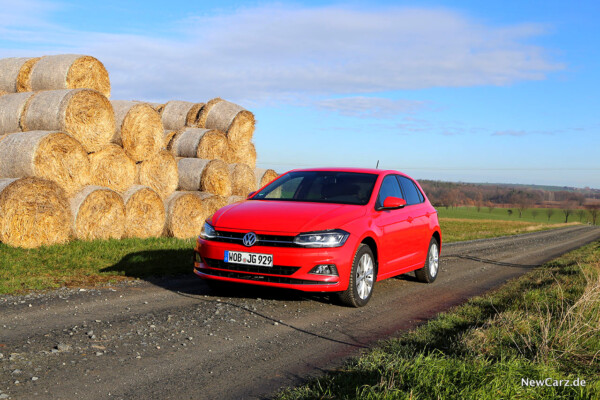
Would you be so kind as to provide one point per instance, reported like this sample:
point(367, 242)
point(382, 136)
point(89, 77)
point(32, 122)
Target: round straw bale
point(200, 143)
point(2, 93)
point(245, 155)
point(242, 178)
point(158, 107)
point(23, 81)
point(185, 215)
point(50, 155)
point(9, 71)
point(211, 203)
point(179, 114)
point(98, 213)
point(84, 114)
point(33, 212)
point(69, 71)
point(264, 176)
point(12, 107)
point(138, 129)
point(169, 135)
point(230, 118)
point(205, 175)
point(111, 168)
point(160, 173)
point(144, 212)
point(235, 199)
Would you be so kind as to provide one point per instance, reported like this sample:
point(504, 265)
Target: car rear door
point(419, 213)
point(396, 243)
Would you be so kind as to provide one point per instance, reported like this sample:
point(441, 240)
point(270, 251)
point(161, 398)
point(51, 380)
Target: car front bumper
point(291, 266)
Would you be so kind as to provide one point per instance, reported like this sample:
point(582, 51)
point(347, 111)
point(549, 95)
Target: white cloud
point(281, 53)
point(371, 107)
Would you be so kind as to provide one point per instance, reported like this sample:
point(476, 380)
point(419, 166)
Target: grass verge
point(543, 325)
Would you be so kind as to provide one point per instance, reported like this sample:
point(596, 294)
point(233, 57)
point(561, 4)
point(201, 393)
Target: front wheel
point(429, 271)
point(362, 278)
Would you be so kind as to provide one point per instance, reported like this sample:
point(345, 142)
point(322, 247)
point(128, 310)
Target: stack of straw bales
point(74, 164)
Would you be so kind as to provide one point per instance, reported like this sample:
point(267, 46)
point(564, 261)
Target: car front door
point(395, 226)
point(419, 214)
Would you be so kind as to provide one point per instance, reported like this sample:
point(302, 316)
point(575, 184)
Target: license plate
point(240, 257)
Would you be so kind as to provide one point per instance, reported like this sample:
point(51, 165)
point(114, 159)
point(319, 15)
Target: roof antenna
point(377, 166)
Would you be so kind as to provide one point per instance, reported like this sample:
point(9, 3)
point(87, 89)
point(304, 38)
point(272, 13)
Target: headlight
point(208, 232)
point(335, 238)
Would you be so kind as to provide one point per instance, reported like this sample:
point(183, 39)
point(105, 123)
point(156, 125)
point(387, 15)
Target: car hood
point(285, 216)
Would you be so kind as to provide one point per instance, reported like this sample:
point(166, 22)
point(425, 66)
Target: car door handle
point(410, 219)
point(428, 214)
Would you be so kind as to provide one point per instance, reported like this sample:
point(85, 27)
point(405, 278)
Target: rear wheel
point(429, 271)
point(362, 278)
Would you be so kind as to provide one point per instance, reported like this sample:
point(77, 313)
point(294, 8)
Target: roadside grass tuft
point(545, 324)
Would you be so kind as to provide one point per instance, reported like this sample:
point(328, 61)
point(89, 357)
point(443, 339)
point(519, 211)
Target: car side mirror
point(250, 194)
point(392, 203)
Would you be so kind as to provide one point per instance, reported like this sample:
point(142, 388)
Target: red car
point(324, 230)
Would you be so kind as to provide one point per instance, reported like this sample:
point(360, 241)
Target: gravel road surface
point(177, 339)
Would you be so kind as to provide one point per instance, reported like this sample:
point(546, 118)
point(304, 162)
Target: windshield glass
point(321, 187)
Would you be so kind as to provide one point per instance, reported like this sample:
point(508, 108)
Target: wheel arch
point(438, 237)
point(369, 241)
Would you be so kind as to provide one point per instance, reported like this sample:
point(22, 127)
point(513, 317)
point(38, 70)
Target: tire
point(362, 278)
point(430, 270)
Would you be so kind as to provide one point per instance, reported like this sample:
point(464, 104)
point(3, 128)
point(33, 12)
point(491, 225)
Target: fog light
point(324, 269)
point(198, 258)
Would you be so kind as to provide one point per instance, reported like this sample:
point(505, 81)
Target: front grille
point(261, 240)
point(262, 278)
point(274, 270)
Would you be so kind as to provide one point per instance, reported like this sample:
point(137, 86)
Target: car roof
point(356, 170)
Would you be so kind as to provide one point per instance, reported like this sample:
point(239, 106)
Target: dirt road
point(175, 339)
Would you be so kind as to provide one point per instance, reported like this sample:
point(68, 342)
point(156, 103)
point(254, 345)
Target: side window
point(389, 187)
point(410, 191)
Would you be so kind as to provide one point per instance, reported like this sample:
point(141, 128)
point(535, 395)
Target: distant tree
point(567, 211)
point(534, 212)
point(490, 207)
point(580, 214)
point(593, 210)
point(523, 202)
point(549, 212)
point(479, 201)
point(510, 212)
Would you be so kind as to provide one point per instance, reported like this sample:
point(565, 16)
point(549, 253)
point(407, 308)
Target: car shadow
point(172, 270)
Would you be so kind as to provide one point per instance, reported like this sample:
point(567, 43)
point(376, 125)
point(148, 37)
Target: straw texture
point(49, 155)
point(69, 71)
point(33, 212)
point(111, 168)
point(12, 107)
point(230, 118)
point(200, 143)
point(144, 212)
point(138, 129)
point(245, 155)
point(84, 114)
point(179, 114)
point(264, 176)
point(243, 180)
point(205, 175)
point(9, 72)
point(98, 213)
point(159, 173)
point(185, 215)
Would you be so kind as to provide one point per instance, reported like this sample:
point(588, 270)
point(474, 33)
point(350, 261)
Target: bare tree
point(523, 202)
point(479, 201)
point(491, 207)
point(567, 211)
point(549, 213)
point(534, 212)
point(580, 214)
point(510, 212)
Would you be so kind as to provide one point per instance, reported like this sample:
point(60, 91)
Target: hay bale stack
point(138, 129)
point(111, 168)
point(98, 213)
point(84, 114)
point(144, 212)
point(211, 203)
point(200, 143)
point(179, 114)
point(14, 71)
point(234, 120)
point(264, 176)
point(158, 107)
point(33, 212)
point(235, 199)
point(12, 107)
point(245, 155)
point(185, 215)
point(168, 138)
point(205, 175)
point(243, 180)
point(49, 155)
point(66, 71)
point(159, 173)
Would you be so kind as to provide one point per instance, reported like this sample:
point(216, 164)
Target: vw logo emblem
point(249, 239)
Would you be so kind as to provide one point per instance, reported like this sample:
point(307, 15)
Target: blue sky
point(467, 91)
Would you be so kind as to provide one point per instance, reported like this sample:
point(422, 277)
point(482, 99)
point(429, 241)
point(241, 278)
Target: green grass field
point(540, 216)
point(543, 325)
point(97, 262)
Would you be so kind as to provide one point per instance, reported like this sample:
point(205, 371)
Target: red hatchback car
point(324, 230)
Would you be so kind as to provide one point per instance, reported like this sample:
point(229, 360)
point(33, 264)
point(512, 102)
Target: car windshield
point(321, 187)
